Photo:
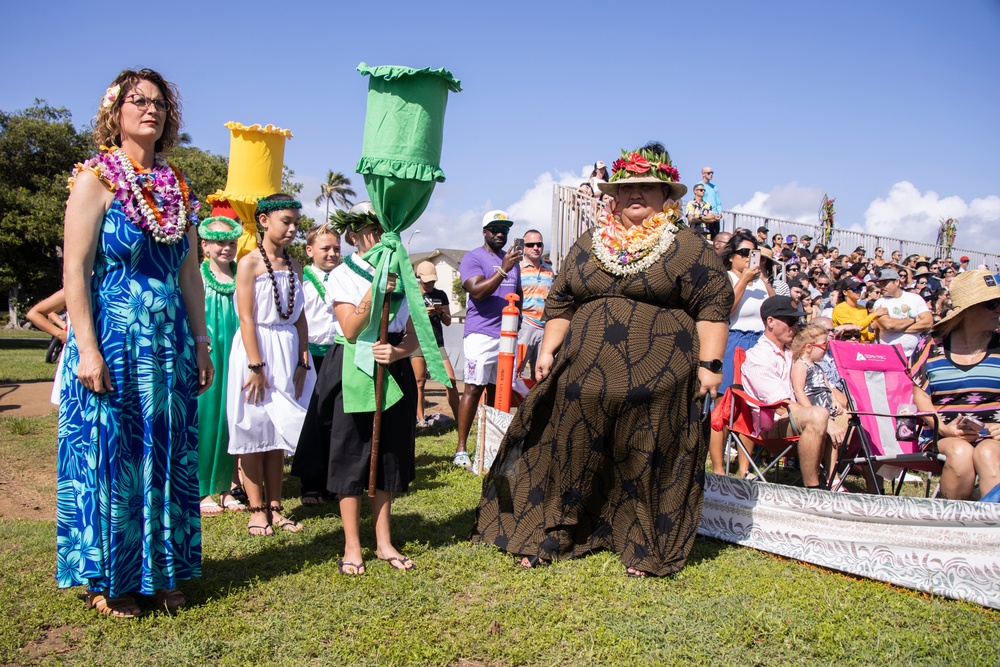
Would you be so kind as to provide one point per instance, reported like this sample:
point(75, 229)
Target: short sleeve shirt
point(346, 285)
point(484, 316)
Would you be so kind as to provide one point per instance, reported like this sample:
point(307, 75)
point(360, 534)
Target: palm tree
point(337, 189)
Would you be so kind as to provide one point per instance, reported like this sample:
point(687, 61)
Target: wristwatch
point(715, 365)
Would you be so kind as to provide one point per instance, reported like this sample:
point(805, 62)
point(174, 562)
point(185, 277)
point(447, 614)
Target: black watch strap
point(715, 365)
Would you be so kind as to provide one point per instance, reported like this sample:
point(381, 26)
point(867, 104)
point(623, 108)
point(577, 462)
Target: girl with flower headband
point(608, 450)
point(340, 419)
point(269, 363)
point(217, 472)
point(136, 359)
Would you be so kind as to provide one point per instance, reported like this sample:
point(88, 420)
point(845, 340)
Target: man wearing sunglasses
point(488, 275)
point(536, 281)
point(767, 376)
point(907, 313)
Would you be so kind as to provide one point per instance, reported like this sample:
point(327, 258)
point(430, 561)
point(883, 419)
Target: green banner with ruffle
point(400, 162)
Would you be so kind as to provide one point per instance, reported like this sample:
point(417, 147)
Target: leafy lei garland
point(216, 285)
point(156, 201)
point(625, 252)
point(311, 274)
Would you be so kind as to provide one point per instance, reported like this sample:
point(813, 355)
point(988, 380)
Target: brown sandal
point(170, 599)
point(119, 607)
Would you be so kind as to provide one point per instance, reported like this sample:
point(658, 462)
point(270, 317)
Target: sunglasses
point(822, 284)
point(992, 304)
point(821, 346)
point(743, 252)
point(788, 321)
point(533, 245)
point(142, 103)
point(498, 229)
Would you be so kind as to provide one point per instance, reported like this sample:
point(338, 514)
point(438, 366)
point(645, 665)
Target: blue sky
point(890, 107)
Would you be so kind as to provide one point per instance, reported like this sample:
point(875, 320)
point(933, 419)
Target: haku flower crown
point(644, 162)
point(110, 96)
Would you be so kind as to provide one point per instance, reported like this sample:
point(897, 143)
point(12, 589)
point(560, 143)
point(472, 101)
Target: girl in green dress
point(217, 470)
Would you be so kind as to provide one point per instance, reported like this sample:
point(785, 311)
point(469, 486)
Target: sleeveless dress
point(275, 422)
point(608, 451)
point(127, 514)
point(215, 464)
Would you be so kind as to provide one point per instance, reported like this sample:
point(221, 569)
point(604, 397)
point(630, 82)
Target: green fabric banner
point(401, 152)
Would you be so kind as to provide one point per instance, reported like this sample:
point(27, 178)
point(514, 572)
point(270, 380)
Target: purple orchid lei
point(172, 212)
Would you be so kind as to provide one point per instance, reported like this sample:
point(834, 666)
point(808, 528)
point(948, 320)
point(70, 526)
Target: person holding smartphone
point(439, 312)
point(959, 377)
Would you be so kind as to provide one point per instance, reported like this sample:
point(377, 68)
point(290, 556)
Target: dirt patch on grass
point(28, 484)
point(53, 642)
point(26, 399)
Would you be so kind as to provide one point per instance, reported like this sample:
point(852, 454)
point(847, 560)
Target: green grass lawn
point(279, 600)
point(24, 333)
point(19, 363)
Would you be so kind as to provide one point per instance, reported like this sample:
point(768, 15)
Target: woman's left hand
point(299, 380)
point(994, 430)
point(710, 382)
point(384, 353)
point(206, 370)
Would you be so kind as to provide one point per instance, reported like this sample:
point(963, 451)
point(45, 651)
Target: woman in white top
point(745, 325)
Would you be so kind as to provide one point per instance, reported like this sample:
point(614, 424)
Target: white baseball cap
point(497, 217)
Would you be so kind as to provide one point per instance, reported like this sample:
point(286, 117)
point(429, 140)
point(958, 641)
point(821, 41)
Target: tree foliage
point(38, 148)
point(337, 191)
point(206, 172)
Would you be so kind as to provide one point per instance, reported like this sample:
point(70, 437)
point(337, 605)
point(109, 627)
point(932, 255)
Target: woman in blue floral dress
point(127, 517)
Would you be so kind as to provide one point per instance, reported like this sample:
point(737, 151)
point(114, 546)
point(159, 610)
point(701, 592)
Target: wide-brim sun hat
point(968, 289)
point(644, 166)
point(768, 254)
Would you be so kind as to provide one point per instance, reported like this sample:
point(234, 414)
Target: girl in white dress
point(270, 362)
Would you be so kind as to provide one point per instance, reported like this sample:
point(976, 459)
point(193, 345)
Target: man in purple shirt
point(488, 275)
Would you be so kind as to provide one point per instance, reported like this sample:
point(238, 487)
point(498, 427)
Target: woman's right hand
point(256, 386)
point(952, 430)
point(543, 365)
point(750, 274)
point(93, 372)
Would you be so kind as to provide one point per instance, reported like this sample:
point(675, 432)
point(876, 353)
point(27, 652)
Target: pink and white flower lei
point(161, 187)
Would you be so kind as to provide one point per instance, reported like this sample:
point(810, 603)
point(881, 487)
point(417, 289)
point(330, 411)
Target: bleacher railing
point(574, 213)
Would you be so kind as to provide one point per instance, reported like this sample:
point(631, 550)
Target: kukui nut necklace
point(274, 282)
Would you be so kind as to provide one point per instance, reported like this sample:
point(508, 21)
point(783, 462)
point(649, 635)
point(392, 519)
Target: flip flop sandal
point(210, 508)
point(113, 607)
point(232, 503)
point(260, 531)
point(400, 563)
point(288, 525)
point(359, 568)
point(312, 498)
point(239, 493)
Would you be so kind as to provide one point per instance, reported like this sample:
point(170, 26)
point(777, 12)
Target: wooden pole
point(383, 337)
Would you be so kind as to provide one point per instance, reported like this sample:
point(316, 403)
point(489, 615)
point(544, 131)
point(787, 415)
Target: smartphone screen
point(519, 244)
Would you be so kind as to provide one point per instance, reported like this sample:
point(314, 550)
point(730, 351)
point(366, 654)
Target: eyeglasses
point(499, 229)
point(992, 304)
point(533, 245)
point(142, 103)
point(743, 252)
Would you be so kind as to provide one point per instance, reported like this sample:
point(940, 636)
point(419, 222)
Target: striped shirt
point(535, 285)
point(971, 390)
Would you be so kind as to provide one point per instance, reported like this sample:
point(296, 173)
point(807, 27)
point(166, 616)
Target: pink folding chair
point(877, 382)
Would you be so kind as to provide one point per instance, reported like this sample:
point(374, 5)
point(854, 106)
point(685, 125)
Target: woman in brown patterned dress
point(608, 450)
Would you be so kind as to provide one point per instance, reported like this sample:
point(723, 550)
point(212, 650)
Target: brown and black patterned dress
point(608, 451)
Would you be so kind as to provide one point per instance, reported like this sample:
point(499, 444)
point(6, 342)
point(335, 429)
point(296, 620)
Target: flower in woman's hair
point(670, 171)
point(110, 96)
point(637, 164)
point(618, 165)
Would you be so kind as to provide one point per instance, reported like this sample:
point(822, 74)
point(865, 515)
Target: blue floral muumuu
point(127, 515)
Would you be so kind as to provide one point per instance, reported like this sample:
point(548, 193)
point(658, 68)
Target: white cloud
point(792, 202)
point(441, 226)
point(910, 214)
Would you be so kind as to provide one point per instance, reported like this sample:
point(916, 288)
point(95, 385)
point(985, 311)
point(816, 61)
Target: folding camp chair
point(877, 382)
point(734, 411)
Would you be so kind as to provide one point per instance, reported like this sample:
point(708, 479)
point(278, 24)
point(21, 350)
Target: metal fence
point(847, 240)
point(573, 213)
